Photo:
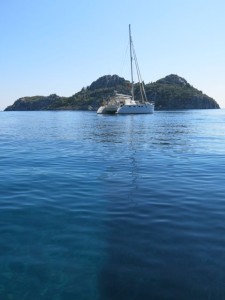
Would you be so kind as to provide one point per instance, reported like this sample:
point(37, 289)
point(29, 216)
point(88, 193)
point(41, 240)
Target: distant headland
point(170, 93)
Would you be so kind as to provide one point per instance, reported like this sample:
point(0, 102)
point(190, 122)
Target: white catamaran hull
point(107, 109)
point(145, 108)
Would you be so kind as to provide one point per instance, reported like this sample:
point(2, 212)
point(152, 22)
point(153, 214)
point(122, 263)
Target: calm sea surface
point(96, 207)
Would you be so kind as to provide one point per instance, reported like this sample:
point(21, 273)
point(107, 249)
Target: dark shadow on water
point(158, 246)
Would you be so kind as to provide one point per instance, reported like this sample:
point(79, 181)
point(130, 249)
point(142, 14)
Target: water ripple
point(112, 207)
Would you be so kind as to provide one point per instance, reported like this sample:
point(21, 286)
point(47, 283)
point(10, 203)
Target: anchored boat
point(126, 104)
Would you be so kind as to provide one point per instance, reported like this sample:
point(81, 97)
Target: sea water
point(112, 207)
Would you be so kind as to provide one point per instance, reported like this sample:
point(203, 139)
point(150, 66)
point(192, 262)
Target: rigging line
point(139, 76)
point(138, 72)
point(139, 79)
point(124, 59)
point(142, 89)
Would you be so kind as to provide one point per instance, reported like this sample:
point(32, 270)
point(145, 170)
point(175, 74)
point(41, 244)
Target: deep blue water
point(112, 207)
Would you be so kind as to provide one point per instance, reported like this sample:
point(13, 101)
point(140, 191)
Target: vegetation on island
point(171, 92)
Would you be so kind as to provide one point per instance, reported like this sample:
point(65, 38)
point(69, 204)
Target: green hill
point(171, 92)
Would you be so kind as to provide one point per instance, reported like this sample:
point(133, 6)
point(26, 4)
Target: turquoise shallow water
point(112, 207)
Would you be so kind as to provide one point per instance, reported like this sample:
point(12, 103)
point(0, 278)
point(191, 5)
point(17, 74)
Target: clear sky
point(60, 46)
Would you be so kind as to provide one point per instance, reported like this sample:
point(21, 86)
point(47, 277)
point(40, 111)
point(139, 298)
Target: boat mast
point(131, 64)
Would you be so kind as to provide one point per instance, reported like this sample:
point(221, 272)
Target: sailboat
point(126, 104)
point(132, 106)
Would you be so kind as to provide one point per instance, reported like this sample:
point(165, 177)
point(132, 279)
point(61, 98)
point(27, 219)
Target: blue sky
point(60, 46)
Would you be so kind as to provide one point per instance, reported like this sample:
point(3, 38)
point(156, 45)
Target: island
point(169, 93)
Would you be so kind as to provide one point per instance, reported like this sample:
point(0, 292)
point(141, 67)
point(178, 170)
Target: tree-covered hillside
point(171, 92)
point(174, 92)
